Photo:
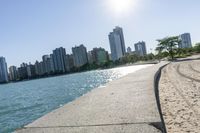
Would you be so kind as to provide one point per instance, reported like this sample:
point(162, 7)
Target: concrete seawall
point(125, 105)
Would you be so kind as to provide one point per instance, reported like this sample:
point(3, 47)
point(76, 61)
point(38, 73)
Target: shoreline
point(87, 109)
point(118, 72)
point(133, 64)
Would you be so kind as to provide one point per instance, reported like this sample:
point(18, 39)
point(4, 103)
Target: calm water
point(24, 102)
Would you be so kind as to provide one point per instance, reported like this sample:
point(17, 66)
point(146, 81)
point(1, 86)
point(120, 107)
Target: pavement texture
point(179, 90)
point(126, 105)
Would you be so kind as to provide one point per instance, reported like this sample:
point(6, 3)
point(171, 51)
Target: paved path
point(126, 105)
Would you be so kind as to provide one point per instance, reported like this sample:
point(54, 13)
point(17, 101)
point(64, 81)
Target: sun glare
point(120, 6)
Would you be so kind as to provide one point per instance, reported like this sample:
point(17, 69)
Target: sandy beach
point(179, 90)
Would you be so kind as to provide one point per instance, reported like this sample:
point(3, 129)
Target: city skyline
point(60, 62)
point(55, 63)
point(27, 33)
point(133, 48)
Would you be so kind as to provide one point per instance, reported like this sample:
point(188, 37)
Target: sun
point(120, 6)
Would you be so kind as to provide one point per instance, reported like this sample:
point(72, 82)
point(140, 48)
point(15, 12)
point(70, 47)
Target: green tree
point(168, 44)
point(180, 52)
point(197, 47)
point(159, 50)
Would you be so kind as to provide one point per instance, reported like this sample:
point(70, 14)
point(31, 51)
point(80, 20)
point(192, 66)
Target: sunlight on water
point(24, 102)
point(129, 69)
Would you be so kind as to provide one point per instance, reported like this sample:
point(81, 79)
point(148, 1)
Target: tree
point(180, 52)
point(197, 47)
point(168, 44)
point(159, 49)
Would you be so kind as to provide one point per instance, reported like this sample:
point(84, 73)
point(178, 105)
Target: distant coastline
point(115, 66)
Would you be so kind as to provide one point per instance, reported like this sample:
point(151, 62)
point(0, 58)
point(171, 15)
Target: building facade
point(37, 68)
point(185, 41)
point(46, 65)
point(22, 71)
point(3, 70)
point(129, 50)
point(140, 48)
point(99, 56)
point(80, 55)
point(13, 73)
point(90, 58)
point(52, 69)
point(31, 71)
point(59, 60)
point(70, 61)
point(117, 43)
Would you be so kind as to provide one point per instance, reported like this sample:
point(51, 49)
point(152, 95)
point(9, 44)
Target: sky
point(32, 28)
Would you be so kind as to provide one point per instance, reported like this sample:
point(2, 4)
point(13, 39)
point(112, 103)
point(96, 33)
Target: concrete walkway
point(126, 105)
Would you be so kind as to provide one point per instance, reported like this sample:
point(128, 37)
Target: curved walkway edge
point(157, 76)
point(129, 104)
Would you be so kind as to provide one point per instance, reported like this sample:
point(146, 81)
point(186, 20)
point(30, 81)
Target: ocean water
point(23, 102)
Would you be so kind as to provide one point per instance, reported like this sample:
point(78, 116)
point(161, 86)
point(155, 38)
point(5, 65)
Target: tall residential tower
point(185, 41)
point(80, 55)
point(59, 60)
point(13, 73)
point(3, 70)
point(117, 43)
point(140, 48)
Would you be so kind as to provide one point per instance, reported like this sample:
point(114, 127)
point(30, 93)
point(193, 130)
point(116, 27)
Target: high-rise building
point(37, 69)
point(22, 71)
point(69, 65)
point(46, 63)
point(31, 71)
point(129, 50)
point(185, 41)
point(24, 65)
point(90, 57)
point(3, 70)
point(80, 55)
point(99, 55)
point(140, 48)
point(119, 31)
point(117, 43)
point(41, 68)
point(51, 64)
point(48, 66)
point(59, 60)
point(71, 61)
point(13, 73)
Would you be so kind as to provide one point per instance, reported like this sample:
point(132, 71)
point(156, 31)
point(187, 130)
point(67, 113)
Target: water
point(23, 102)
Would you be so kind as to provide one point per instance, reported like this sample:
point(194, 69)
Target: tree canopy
point(169, 45)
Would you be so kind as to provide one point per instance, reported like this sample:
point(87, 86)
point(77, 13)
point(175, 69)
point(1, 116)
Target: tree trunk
point(171, 54)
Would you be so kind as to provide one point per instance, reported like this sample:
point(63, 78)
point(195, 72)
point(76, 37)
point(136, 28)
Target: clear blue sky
point(32, 28)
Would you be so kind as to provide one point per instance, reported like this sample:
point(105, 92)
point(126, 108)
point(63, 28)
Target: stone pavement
point(126, 105)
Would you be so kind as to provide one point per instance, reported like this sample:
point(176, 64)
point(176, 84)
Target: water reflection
point(23, 102)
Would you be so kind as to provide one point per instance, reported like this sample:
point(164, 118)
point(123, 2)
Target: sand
point(179, 91)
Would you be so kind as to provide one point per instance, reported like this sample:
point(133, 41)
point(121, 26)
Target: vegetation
point(127, 59)
point(168, 48)
point(196, 48)
point(169, 45)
